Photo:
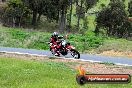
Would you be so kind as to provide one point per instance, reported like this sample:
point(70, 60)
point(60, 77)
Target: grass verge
point(19, 38)
point(16, 73)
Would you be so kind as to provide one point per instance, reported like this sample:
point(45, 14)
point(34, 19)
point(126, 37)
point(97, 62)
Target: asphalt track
point(84, 57)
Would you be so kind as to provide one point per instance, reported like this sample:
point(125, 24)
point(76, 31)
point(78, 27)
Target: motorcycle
point(66, 48)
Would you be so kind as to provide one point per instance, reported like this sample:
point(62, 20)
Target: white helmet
point(55, 34)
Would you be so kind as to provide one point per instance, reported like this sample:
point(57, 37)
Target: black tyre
point(81, 80)
point(75, 54)
point(52, 51)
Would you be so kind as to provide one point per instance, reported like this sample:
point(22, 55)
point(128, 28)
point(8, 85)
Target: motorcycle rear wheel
point(75, 53)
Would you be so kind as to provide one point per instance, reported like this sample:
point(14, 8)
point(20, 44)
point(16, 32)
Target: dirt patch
point(22, 56)
point(116, 53)
point(91, 67)
point(98, 68)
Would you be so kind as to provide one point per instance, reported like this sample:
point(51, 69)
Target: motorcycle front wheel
point(75, 53)
point(52, 51)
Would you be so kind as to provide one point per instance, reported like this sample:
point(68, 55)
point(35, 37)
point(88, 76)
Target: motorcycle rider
point(55, 40)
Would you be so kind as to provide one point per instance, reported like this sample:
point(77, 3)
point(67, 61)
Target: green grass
point(121, 45)
point(15, 73)
point(15, 37)
point(19, 38)
point(29, 74)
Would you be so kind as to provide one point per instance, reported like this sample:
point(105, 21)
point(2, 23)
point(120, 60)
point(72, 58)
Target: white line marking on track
point(64, 58)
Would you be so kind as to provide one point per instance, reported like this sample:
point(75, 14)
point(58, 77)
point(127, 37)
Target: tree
point(63, 6)
point(15, 13)
point(81, 9)
point(34, 5)
point(3, 0)
point(69, 17)
point(114, 19)
point(130, 8)
point(90, 3)
point(52, 9)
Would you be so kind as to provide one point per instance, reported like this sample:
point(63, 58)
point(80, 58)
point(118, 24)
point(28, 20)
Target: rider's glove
point(55, 45)
point(51, 44)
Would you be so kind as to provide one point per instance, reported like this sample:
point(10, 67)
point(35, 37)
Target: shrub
point(86, 42)
point(15, 13)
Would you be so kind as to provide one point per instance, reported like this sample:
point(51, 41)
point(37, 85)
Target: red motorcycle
point(65, 48)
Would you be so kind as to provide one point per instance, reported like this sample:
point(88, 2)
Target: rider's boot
point(57, 52)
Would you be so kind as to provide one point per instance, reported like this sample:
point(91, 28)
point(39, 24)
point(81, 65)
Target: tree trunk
point(79, 17)
point(58, 16)
point(76, 3)
point(69, 27)
point(20, 18)
point(3, 0)
point(34, 19)
point(62, 20)
point(96, 31)
point(13, 22)
point(108, 31)
point(38, 19)
point(78, 22)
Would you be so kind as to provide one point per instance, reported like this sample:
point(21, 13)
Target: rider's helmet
point(55, 34)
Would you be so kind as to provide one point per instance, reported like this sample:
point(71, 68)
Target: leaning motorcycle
point(66, 48)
